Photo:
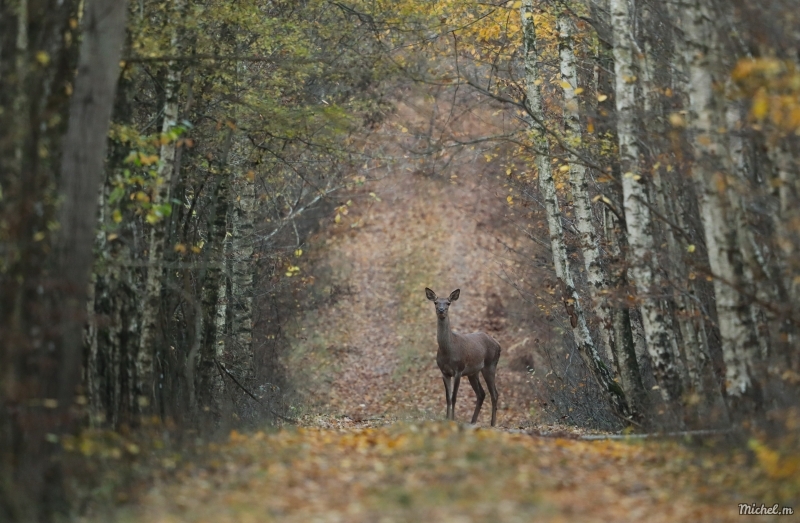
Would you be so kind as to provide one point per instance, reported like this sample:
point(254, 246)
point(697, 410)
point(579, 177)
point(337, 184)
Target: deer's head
point(442, 304)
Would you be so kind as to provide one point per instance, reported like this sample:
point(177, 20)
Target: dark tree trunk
point(45, 278)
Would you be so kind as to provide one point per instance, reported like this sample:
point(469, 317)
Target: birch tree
point(710, 165)
point(547, 186)
point(656, 317)
point(151, 308)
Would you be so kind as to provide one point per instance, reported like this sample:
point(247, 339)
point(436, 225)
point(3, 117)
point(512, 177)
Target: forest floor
point(372, 445)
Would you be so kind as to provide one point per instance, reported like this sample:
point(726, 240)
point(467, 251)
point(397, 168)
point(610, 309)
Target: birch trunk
point(151, 307)
point(738, 337)
point(656, 317)
point(596, 276)
point(625, 350)
point(757, 274)
point(572, 302)
point(240, 353)
point(210, 385)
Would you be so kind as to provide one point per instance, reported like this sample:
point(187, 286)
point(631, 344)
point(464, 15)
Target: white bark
point(756, 273)
point(572, 300)
point(738, 338)
point(145, 383)
point(656, 317)
point(242, 249)
point(596, 276)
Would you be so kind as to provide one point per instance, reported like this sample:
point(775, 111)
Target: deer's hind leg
point(488, 375)
point(479, 393)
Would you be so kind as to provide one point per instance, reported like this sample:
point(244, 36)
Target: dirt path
point(379, 342)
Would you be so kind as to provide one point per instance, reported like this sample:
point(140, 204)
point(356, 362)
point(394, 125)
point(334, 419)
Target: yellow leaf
point(148, 159)
point(510, 200)
point(298, 252)
point(760, 105)
point(564, 168)
point(564, 84)
point(180, 248)
point(690, 248)
point(602, 97)
point(196, 249)
point(111, 237)
point(704, 140)
point(338, 218)
point(116, 216)
point(579, 90)
point(43, 58)
point(39, 236)
point(677, 120)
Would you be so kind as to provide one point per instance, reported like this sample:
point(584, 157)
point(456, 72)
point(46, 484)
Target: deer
point(464, 355)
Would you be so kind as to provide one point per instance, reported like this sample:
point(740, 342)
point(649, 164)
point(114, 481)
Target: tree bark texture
point(740, 344)
point(42, 331)
point(591, 357)
point(656, 316)
point(595, 273)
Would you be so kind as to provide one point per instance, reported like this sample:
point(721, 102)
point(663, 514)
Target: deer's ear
point(430, 294)
point(455, 294)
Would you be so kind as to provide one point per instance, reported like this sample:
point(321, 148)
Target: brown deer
point(464, 355)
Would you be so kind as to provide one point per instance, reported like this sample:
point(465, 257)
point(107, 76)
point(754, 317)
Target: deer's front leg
point(456, 381)
point(447, 394)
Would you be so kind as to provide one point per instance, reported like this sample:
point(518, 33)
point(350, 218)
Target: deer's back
point(489, 347)
point(471, 353)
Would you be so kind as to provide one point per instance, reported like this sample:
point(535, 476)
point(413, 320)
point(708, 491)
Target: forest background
point(168, 166)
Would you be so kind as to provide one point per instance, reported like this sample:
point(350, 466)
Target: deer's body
point(464, 355)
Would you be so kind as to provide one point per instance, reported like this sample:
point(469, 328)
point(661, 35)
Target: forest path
point(371, 352)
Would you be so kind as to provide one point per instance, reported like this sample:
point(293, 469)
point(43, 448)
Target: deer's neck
point(444, 335)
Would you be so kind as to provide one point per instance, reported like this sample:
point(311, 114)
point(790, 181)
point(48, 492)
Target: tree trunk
point(210, 385)
point(240, 351)
point(42, 329)
point(735, 324)
point(656, 315)
point(151, 306)
point(596, 275)
point(572, 302)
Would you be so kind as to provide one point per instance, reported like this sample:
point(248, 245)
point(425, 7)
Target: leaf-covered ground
point(443, 471)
